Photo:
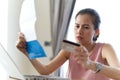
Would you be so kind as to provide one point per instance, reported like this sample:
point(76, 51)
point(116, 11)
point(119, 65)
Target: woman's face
point(84, 29)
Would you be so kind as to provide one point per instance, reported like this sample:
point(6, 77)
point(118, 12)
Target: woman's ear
point(96, 35)
point(97, 31)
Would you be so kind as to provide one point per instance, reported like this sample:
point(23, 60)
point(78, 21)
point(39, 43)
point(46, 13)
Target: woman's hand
point(81, 56)
point(21, 43)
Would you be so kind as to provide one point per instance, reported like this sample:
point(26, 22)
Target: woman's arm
point(110, 56)
point(42, 69)
point(108, 71)
point(112, 71)
point(52, 65)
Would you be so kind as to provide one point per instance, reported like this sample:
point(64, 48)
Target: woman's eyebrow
point(76, 23)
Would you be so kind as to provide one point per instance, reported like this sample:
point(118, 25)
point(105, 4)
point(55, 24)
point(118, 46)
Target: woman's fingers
point(21, 42)
point(81, 55)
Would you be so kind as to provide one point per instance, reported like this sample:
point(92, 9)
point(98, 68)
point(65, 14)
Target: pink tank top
point(77, 72)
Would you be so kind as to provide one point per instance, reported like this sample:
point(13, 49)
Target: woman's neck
point(90, 46)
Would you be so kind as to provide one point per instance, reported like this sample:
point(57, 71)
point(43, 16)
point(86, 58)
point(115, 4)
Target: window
point(109, 28)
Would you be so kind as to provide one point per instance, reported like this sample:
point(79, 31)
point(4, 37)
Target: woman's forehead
point(84, 18)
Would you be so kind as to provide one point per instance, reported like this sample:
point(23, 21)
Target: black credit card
point(69, 45)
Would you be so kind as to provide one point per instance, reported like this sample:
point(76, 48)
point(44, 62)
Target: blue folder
point(35, 50)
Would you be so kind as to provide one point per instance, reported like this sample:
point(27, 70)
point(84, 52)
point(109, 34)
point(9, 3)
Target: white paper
point(27, 20)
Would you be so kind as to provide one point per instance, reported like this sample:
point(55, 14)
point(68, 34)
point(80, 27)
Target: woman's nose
point(79, 30)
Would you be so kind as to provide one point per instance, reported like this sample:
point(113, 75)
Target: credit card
point(69, 45)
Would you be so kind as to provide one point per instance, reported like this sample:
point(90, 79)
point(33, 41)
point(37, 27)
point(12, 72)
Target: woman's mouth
point(79, 38)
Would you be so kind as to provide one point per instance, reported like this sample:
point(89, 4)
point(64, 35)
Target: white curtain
point(61, 11)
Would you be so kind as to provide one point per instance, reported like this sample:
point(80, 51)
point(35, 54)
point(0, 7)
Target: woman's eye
point(76, 26)
point(86, 27)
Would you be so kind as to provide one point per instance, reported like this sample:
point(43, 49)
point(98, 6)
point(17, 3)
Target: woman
point(90, 61)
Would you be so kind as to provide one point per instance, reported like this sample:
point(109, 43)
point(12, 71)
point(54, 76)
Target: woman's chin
point(77, 41)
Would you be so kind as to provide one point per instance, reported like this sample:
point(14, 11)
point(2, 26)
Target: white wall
point(13, 28)
point(42, 28)
point(3, 21)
